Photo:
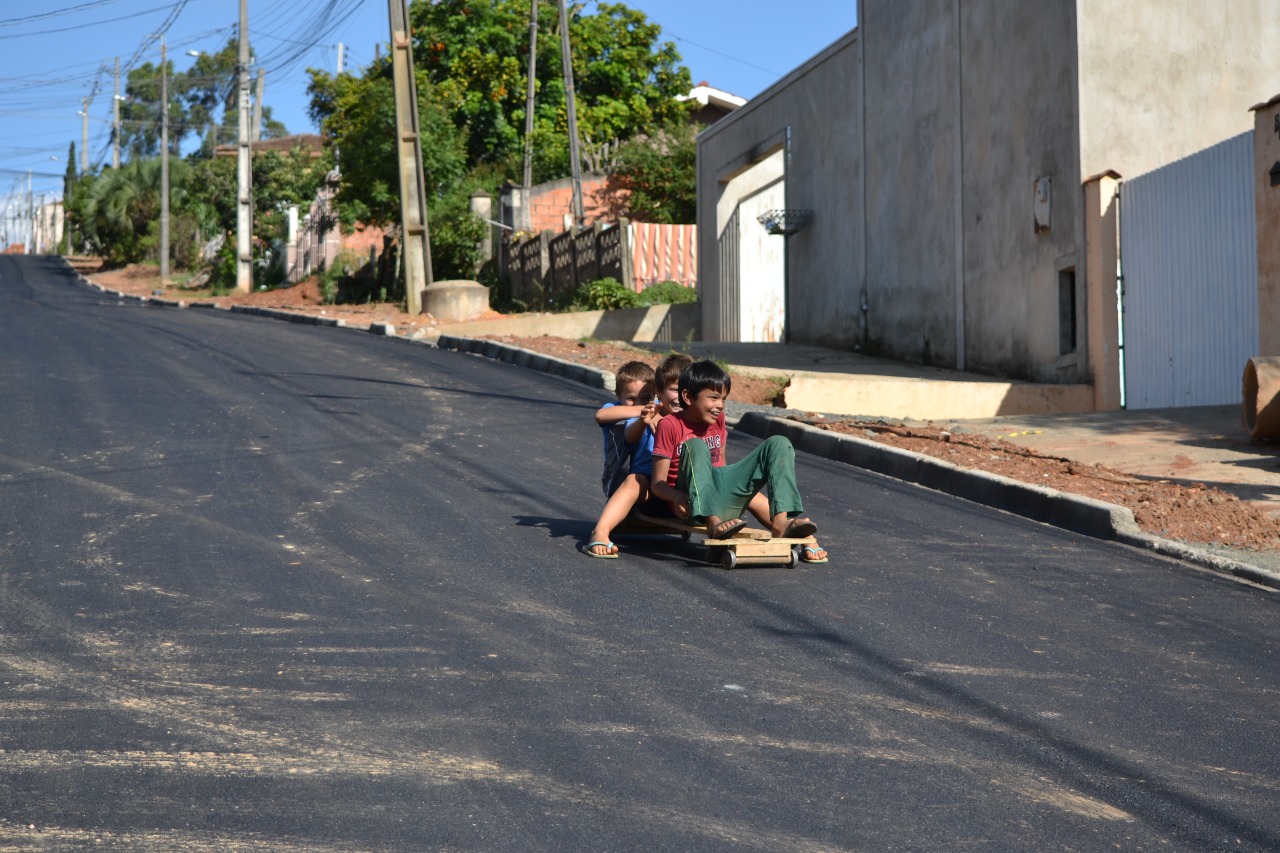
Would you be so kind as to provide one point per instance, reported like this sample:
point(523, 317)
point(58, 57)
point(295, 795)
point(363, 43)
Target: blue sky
point(55, 54)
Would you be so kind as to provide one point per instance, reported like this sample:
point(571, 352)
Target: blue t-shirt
point(621, 458)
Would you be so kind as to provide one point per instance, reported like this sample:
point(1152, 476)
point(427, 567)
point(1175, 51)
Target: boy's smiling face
point(637, 392)
point(669, 399)
point(705, 408)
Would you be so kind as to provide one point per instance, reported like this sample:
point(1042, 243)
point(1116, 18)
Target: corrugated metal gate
point(1188, 250)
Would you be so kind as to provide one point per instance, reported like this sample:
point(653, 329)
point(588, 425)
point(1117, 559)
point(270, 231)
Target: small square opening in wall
point(1067, 328)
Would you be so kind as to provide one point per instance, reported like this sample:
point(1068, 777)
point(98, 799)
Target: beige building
point(948, 172)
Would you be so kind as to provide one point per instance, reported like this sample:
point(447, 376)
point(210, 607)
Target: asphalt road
point(273, 587)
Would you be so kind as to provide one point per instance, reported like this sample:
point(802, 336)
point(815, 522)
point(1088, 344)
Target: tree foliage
point(202, 103)
point(659, 174)
point(471, 61)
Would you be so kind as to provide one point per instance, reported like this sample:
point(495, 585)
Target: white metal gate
point(1188, 250)
point(761, 274)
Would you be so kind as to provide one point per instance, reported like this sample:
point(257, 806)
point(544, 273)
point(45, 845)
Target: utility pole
point(31, 215)
point(575, 161)
point(84, 140)
point(526, 215)
point(259, 86)
point(115, 122)
point(244, 201)
point(416, 238)
point(341, 49)
point(164, 163)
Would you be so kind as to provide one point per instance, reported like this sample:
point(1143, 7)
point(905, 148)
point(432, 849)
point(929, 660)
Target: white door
point(761, 270)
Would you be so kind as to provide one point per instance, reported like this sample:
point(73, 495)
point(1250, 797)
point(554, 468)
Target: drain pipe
point(1120, 290)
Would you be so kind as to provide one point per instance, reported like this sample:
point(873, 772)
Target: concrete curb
point(528, 358)
point(1071, 512)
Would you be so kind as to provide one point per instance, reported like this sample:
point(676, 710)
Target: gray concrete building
point(947, 171)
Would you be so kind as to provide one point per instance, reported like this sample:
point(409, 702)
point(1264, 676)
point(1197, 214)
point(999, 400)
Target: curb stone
point(521, 357)
point(1049, 506)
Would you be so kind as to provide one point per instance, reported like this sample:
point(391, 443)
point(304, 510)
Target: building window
point(1067, 325)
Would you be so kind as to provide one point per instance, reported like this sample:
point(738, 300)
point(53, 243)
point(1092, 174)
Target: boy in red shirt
point(690, 473)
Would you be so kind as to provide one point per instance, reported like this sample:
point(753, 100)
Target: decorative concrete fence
point(548, 268)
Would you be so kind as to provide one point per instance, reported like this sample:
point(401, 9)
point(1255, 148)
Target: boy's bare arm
point(613, 414)
point(658, 485)
point(648, 419)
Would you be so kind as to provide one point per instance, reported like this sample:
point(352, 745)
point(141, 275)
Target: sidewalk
point(1206, 444)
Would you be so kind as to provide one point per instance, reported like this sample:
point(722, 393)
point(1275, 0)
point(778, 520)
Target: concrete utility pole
point(575, 161)
point(416, 245)
point(115, 121)
point(164, 163)
point(526, 215)
point(341, 54)
point(244, 200)
point(84, 138)
point(259, 86)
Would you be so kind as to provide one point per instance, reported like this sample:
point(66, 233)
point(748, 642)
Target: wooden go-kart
point(747, 547)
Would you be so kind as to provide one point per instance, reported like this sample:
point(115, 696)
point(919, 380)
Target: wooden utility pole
point(115, 121)
point(164, 163)
point(526, 215)
point(244, 177)
point(575, 162)
point(415, 236)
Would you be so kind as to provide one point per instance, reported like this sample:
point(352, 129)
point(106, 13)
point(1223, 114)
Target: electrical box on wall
point(1043, 203)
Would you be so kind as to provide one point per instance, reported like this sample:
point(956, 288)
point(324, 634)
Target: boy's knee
point(779, 446)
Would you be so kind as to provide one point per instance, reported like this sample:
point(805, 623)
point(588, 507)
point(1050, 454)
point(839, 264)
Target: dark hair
point(671, 368)
point(700, 376)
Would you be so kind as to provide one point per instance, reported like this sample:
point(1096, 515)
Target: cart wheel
point(686, 535)
point(710, 557)
point(795, 557)
point(728, 559)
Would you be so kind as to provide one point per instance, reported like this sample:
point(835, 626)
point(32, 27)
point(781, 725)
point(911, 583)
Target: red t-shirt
point(673, 432)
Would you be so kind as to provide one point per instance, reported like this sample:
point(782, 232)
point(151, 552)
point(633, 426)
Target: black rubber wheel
point(728, 559)
point(686, 535)
point(795, 557)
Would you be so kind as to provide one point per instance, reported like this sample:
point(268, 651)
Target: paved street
point(272, 587)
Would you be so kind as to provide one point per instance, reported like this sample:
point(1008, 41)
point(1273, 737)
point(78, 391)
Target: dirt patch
point(303, 298)
point(610, 355)
point(1190, 513)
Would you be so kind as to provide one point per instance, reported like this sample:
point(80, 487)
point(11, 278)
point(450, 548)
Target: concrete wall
point(1266, 157)
point(1018, 91)
point(1161, 79)
point(968, 103)
point(820, 103)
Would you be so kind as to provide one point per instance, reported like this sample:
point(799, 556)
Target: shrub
point(668, 293)
point(605, 293)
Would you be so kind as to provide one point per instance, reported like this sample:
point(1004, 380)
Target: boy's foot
point(724, 529)
point(813, 554)
point(798, 528)
point(601, 550)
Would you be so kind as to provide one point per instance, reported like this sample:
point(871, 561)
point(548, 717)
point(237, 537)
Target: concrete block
point(456, 299)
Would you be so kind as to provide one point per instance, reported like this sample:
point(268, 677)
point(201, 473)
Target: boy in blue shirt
point(628, 426)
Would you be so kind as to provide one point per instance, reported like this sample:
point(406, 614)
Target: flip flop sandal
point(727, 532)
point(808, 549)
point(610, 555)
point(799, 528)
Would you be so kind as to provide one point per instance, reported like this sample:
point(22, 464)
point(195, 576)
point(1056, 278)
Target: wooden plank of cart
point(748, 547)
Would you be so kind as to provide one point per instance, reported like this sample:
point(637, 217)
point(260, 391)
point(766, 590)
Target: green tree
point(659, 174)
point(68, 191)
point(471, 59)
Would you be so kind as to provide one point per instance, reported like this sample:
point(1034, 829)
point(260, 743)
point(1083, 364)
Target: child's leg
point(633, 489)
point(700, 481)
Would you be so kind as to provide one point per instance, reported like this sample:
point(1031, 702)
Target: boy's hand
point(681, 507)
point(650, 414)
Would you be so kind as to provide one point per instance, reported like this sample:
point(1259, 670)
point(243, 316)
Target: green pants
point(725, 492)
